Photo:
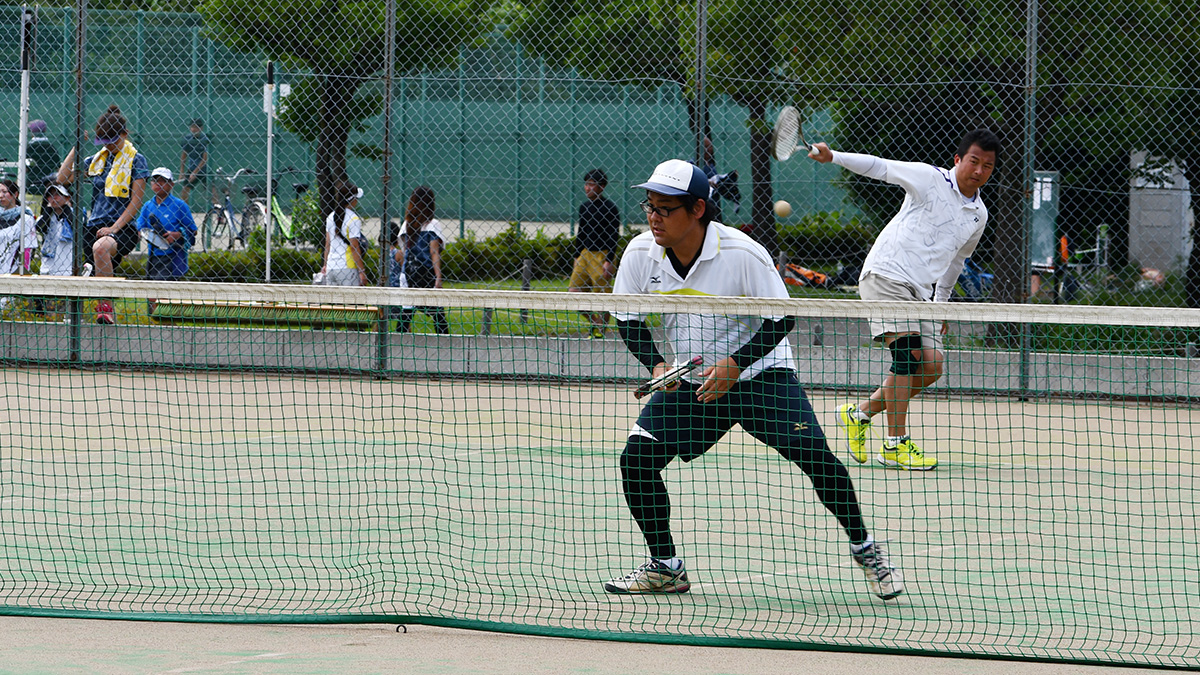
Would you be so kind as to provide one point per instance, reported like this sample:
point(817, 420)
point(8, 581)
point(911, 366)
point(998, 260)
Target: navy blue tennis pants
point(771, 407)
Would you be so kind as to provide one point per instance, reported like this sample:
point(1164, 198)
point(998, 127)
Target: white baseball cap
point(676, 178)
point(163, 172)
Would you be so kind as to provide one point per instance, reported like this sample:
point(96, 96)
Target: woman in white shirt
point(343, 255)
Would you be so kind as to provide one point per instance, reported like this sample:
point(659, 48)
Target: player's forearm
point(640, 341)
point(764, 341)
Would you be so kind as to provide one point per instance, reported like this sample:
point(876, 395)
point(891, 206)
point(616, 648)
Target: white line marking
point(256, 657)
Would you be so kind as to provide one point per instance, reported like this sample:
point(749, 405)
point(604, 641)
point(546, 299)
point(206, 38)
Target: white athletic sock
point(675, 564)
point(860, 415)
point(895, 441)
point(859, 548)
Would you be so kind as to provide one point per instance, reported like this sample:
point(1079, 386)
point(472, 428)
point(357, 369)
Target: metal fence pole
point(139, 77)
point(462, 141)
point(520, 137)
point(76, 305)
point(389, 72)
point(701, 57)
point(1031, 47)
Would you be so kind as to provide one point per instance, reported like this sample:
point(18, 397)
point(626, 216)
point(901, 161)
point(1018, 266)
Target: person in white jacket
point(921, 249)
point(18, 238)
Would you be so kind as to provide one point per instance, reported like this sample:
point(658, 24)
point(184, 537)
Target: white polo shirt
point(936, 229)
point(730, 264)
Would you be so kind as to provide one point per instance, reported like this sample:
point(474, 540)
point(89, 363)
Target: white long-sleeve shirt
point(936, 229)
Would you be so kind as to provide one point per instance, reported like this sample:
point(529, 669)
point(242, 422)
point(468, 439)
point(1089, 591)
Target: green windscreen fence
point(282, 453)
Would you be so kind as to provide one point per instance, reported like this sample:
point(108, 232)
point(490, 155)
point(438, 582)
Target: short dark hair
point(984, 138)
point(597, 176)
point(198, 123)
point(710, 207)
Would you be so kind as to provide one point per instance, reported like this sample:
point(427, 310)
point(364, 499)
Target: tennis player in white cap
point(748, 378)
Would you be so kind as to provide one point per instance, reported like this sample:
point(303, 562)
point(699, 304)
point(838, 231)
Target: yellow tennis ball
point(783, 209)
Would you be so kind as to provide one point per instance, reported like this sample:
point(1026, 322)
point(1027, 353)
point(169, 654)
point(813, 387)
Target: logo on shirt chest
point(656, 280)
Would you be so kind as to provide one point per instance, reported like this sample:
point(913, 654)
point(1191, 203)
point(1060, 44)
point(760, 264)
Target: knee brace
point(906, 354)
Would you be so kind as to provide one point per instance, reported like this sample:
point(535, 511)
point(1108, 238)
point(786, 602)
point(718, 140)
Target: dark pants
point(771, 407)
point(161, 268)
point(422, 277)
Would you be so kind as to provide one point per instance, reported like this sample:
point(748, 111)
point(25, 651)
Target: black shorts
point(770, 406)
point(127, 240)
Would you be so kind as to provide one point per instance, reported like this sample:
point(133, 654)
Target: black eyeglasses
point(662, 211)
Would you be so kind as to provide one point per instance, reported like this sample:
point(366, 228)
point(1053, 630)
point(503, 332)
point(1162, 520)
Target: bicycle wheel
point(252, 220)
point(216, 230)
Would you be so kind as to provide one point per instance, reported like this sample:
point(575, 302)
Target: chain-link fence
point(501, 108)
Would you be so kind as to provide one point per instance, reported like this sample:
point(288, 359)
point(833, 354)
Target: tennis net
point(281, 453)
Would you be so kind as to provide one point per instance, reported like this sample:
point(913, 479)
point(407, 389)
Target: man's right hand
point(821, 153)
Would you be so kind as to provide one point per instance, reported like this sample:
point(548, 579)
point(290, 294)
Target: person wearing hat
point(43, 162)
point(118, 174)
point(193, 159)
point(748, 377)
point(343, 247)
point(56, 225)
point(166, 224)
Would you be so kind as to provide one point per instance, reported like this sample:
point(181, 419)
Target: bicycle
point(1080, 274)
point(255, 214)
point(220, 223)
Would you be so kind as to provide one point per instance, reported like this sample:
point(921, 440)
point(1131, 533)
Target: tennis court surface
point(232, 472)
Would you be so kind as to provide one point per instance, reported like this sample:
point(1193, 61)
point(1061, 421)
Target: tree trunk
point(336, 94)
point(762, 218)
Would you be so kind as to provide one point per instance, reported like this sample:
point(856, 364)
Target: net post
point(526, 279)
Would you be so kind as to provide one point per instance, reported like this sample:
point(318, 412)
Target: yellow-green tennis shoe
point(856, 431)
point(906, 456)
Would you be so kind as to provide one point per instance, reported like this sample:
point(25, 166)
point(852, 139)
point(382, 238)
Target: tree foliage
point(338, 46)
point(653, 41)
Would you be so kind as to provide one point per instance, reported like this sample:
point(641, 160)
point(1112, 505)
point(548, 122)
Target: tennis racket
point(788, 135)
point(668, 378)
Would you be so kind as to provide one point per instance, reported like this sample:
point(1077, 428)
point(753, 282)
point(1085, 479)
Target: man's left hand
point(719, 378)
point(173, 237)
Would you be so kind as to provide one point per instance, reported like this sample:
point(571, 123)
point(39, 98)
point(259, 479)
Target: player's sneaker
point(597, 333)
point(885, 580)
point(906, 456)
point(652, 577)
point(856, 431)
point(104, 312)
